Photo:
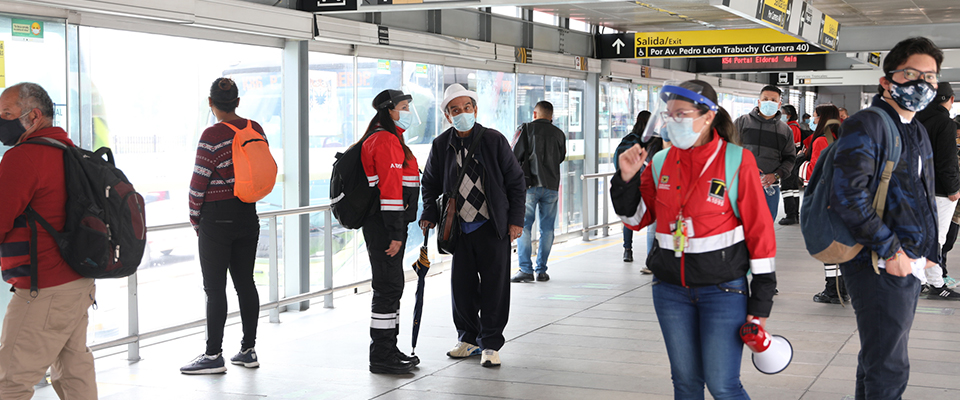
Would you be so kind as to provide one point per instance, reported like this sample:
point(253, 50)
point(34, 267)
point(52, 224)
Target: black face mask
point(11, 130)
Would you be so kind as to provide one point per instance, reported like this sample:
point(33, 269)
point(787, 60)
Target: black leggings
point(229, 231)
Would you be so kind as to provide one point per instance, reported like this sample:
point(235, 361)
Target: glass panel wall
point(571, 188)
point(39, 57)
point(152, 115)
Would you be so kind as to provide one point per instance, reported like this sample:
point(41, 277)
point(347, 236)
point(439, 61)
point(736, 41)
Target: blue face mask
point(912, 96)
point(783, 118)
point(682, 134)
point(768, 108)
point(405, 121)
point(813, 125)
point(464, 121)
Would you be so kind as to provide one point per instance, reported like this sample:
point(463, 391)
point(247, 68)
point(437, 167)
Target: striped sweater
point(213, 170)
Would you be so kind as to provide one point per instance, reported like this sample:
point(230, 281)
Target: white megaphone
point(771, 353)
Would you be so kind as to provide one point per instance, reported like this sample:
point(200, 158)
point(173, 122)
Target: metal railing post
point(133, 318)
point(606, 205)
point(273, 273)
point(328, 257)
point(585, 214)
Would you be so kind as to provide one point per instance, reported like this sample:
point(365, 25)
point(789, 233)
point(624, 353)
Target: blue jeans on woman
point(701, 332)
point(546, 200)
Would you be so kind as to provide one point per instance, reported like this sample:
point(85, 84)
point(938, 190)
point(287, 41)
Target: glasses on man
point(676, 116)
point(911, 74)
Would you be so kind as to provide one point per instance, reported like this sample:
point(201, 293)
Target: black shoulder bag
point(448, 228)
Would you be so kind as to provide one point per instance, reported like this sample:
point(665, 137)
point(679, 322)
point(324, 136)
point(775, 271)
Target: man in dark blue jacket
point(905, 239)
point(490, 208)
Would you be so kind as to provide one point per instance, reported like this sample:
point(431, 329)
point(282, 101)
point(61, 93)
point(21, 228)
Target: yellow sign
point(829, 33)
point(732, 42)
point(775, 12)
point(3, 72)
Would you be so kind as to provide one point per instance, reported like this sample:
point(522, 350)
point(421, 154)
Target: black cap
point(944, 92)
point(395, 96)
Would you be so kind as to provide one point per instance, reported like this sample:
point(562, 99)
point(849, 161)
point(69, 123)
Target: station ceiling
point(655, 15)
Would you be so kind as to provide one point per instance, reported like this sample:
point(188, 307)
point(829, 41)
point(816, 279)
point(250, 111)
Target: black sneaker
point(394, 366)
point(205, 364)
point(246, 358)
point(410, 359)
point(627, 255)
point(522, 277)
point(942, 293)
point(788, 221)
point(825, 298)
point(543, 277)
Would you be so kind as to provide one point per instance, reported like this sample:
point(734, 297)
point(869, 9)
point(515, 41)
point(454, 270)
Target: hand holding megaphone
point(771, 353)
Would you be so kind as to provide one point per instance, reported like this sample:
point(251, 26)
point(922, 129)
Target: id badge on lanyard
point(682, 229)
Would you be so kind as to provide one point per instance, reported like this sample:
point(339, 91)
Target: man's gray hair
point(33, 96)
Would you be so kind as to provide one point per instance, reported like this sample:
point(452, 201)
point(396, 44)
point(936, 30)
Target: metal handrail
point(133, 338)
point(587, 228)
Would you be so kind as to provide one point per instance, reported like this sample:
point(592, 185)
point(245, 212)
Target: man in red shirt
point(47, 327)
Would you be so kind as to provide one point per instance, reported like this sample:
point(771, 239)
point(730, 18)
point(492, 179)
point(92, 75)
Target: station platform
point(590, 332)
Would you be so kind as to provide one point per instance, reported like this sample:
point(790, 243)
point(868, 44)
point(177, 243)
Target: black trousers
point(481, 287)
point(885, 306)
point(229, 231)
point(951, 240)
point(387, 288)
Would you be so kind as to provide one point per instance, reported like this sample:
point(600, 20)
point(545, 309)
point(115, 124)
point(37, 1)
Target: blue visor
point(670, 92)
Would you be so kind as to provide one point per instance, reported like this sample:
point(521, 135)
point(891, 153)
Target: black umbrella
point(421, 266)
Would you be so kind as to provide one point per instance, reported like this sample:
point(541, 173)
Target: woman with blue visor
point(712, 227)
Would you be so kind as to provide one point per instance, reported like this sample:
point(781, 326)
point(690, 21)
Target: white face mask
point(682, 134)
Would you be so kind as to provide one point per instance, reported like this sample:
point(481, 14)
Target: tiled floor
point(589, 333)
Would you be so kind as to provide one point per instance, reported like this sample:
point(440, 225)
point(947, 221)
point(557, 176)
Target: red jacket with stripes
point(383, 163)
point(719, 247)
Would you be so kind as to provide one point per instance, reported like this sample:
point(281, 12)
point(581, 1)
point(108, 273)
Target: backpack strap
point(732, 159)
point(894, 148)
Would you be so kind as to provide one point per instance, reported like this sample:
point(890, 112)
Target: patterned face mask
point(913, 95)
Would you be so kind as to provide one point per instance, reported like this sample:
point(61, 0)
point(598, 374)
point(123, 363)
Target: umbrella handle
point(426, 234)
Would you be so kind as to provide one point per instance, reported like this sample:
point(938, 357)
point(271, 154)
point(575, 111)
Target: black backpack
point(105, 230)
point(352, 198)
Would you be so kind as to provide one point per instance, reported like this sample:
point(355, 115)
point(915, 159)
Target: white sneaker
point(463, 350)
point(490, 358)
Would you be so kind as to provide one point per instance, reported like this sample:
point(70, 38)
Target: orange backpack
point(254, 169)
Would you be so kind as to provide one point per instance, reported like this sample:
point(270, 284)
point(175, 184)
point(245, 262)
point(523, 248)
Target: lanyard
point(680, 231)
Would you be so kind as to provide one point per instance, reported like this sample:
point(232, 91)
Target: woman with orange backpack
point(228, 230)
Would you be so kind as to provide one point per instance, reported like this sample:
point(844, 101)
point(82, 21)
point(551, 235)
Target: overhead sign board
point(837, 78)
point(794, 17)
point(327, 5)
point(759, 63)
point(733, 42)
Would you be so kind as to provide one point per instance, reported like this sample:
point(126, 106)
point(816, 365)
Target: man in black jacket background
point(540, 148)
point(943, 135)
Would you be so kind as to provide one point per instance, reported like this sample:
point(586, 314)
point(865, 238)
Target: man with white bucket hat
point(490, 206)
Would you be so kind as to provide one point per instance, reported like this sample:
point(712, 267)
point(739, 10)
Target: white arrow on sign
point(618, 45)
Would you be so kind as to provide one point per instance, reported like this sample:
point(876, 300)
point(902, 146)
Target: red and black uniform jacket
point(720, 247)
point(399, 184)
point(33, 175)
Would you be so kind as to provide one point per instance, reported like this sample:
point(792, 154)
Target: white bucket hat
point(453, 91)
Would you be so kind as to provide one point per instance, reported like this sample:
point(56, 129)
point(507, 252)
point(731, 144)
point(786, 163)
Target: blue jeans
point(701, 332)
point(773, 201)
point(547, 201)
point(885, 306)
point(651, 235)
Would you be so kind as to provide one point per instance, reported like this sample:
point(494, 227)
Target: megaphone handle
point(756, 321)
